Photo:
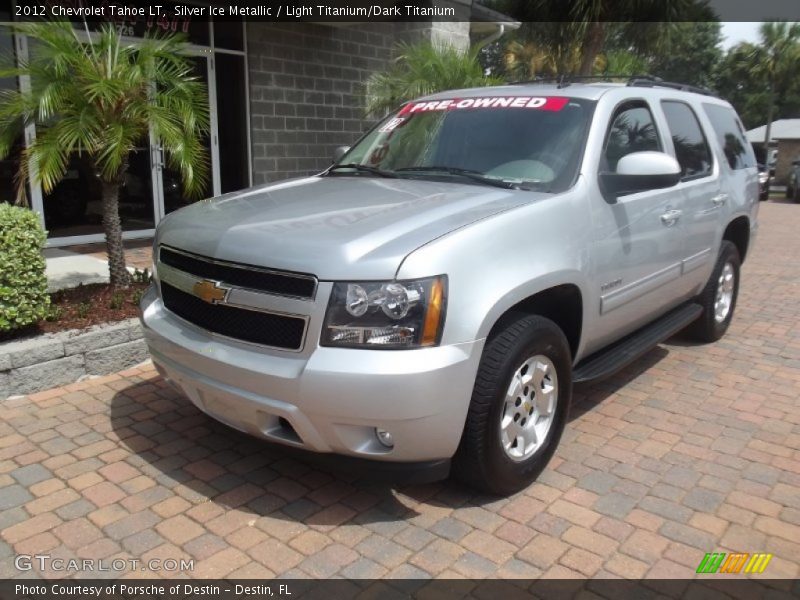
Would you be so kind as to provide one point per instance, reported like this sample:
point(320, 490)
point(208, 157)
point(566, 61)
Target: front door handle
point(719, 199)
point(671, 217)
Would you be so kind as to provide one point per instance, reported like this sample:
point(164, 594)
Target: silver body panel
point(497, 248)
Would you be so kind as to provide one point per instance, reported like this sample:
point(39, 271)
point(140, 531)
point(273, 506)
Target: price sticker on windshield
point(550, 103)
point(392, 124)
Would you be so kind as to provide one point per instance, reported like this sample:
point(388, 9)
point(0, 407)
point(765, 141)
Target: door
point(151, 189)
point(167, 180)
point(638, 237)
point(700, 186)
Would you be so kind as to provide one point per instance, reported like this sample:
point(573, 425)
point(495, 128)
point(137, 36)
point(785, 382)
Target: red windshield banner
point(551, 103)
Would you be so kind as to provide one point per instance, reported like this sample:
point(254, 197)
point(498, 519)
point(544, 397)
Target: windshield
point(517, 141)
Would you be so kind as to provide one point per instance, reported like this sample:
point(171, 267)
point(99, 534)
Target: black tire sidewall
point(709, 329)
point(541, 337)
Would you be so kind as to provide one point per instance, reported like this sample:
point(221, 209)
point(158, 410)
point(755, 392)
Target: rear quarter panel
point(741, 185)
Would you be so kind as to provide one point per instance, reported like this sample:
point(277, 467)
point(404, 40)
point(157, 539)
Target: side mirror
point(641, 171)
point(339, 152)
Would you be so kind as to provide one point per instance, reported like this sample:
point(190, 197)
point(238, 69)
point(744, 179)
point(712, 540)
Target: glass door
point(168, 180)
point(73, 211)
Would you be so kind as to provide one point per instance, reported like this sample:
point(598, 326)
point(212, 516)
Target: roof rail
point(566, 79)
point(631, 80)
point(649, 81)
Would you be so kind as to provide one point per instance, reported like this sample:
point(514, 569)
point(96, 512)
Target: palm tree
point(778, 57)
point(423, 69)
point(99, 98)
point(576, 33)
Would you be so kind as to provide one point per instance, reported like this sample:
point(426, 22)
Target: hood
point(341, 227)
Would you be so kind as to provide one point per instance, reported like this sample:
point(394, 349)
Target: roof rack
point(650, 81)
point(565, 80)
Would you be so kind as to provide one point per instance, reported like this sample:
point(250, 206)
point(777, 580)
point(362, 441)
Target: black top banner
point(179, 16)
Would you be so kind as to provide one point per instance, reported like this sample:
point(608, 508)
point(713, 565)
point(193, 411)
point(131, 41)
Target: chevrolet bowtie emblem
point(210, 291)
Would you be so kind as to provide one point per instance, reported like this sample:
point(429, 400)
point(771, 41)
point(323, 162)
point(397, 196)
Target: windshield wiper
point(468, 173)
point(363, 168)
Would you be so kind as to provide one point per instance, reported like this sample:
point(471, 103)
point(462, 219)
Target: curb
point(50, 360)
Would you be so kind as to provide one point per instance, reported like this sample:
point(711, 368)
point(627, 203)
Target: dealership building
point(281, 96)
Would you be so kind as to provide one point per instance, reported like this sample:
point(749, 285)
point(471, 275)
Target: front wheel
point(718, 299)
point(519, 406)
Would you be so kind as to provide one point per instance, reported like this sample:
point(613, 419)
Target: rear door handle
point(719, 199)
point(671, 217)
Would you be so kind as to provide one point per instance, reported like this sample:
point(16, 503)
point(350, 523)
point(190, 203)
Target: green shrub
point(83, 309)
point(54, 313)
point(117, 300)
point(142, 276)
point(136, 297)
point(23, 285)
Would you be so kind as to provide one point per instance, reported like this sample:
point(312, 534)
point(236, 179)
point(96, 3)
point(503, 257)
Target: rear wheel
point(718, 299)
point(519, 406)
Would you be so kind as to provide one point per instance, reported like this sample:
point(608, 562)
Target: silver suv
point(429, 300)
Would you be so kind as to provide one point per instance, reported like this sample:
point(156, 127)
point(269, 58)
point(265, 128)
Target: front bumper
point(326, 400)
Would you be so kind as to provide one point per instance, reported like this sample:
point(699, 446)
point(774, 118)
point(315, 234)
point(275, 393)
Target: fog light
point(384, 437)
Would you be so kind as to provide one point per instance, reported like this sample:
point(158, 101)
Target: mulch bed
point(84, 306)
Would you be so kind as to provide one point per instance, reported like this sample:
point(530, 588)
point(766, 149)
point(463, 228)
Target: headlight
point(386, 314)
point(763, 177)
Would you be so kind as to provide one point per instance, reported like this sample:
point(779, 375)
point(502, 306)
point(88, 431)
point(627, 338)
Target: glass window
point(730, 134)
point(174, 196)
point(9, 166)
point(75, 205)
point(229, 34)
point(691, 148)
point(632, 130)
point(130, 23)
point(534, 143)
point(234, 166)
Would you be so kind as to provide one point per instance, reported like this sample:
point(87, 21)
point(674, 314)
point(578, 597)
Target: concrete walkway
point(67, 269)
point(85, 264)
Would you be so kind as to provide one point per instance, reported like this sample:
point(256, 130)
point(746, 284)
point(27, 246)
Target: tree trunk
point(592, 46)
point(117, 270)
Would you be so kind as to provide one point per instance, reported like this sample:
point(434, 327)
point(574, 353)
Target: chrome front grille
point(281, 283)
point(242, 302)
point(277, 331)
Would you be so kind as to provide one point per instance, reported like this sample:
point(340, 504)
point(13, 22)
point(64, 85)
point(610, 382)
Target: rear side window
point(691, 148)
point(730, 135)
point(632, 130)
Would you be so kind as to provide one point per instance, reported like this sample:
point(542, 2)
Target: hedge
point(23, 284)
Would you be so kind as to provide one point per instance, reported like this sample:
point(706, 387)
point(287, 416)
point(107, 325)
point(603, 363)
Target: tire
point(796, 193)
point(711, 325)
point(482, 459)
point(790, 192)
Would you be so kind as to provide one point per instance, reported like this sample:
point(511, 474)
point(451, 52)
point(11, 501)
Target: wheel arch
point(738, 233)
point(562, 304)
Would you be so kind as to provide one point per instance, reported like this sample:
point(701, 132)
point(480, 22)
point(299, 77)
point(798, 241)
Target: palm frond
point(102, 97)
point(423, 69)
point(50, 158)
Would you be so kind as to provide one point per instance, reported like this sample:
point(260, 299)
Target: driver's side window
point(632, 130)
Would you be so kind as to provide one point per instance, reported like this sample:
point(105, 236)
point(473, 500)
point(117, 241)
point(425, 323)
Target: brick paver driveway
point(693, 449)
